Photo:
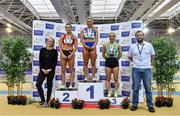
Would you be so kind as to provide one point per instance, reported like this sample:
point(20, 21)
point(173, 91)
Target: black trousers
point(39, 82)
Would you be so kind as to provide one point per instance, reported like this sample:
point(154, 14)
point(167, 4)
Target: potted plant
point(52, 102)
point(56, 103)
point(77, 103)
point(164, 69)
point(23, 99)
point(16, 60)
point(104, 103)
point(125, 103)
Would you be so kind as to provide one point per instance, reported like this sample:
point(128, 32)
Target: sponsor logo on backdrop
point(125, 27)
point(35, 94)
point(104, 35)
point(124, 56)
point(80, 77)
point(117, 40)
point(58, 77)
point(73, 28)
point(125, 93)
point(125, 41)
point(36, 55)
point(38, 32)
point(49, 33)
point(67, 70)
point(103, 28)
point(35, 63)
point(35, 70)
point(102, 77)
point(100, 49)
point(79, 56)
point(60, 28)
point(34, 85)
point(125, 34)
point(57, 48)
point(79, 70)
point(101, 57)
point(125, 78)
point(112, 85)
point(38, 24)
point(37, 47)
point(133, 40)
point(45, 85)
point(58, 34)
point(125, 48)
point(102, 70)
point(80, 28)
point(80, 63)
point(58, 70)
point(136, 25)
point(80, 49)
point(79, 35)
point(38, 40)
point(125, 71)
point(58, 63)
point(126, 86)
point(102, 63)
point(125, 63)
point(35, 78)
point(114, 27)
point(49, 26)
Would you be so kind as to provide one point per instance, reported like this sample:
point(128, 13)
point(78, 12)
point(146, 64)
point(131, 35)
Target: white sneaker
point(62, 86)
point(93, 78)
point(70, 87)
point(109, 94)
point(85, 79)
point(115, 93)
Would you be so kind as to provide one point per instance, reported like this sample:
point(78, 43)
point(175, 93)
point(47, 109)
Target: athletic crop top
point(89, 34)
point(111, 50)
point(67, 40)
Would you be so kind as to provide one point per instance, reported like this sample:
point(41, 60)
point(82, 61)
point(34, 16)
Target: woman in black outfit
point(47, 60)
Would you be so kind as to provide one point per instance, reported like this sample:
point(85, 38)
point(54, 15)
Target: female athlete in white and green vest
point(112, 53)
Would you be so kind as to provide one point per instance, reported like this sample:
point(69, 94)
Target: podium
point(66, 95)
point(90, 91)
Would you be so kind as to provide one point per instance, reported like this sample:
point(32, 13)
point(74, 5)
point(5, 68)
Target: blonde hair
point(112, 33)
point(51, 39)
point(89, 17)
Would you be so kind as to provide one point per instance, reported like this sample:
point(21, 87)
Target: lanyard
point(140, 51)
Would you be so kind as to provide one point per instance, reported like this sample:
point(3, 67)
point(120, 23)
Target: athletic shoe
point(151, 109)
point(70, 87)
point(134, 108)
point(115, 93)
point(109, 94)
point(62, 86)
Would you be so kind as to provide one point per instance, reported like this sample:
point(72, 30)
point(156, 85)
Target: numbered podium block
point(116, 101)
point(66, 96)
point(91, 91)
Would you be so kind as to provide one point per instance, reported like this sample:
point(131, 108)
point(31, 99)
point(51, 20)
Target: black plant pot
point(158, 103)
point(56, 106)
point(125, 106)
point(23, 102)
point(101, 106)
point(169, 102)
point(75, 106)
point(52, 105)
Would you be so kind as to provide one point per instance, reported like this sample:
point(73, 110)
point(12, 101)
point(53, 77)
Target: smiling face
point(50, 42)
point(139, 36)
point(89, 22)
point(112, 37)
point(68, 28)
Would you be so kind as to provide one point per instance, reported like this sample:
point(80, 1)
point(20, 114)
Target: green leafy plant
point(15, 61)
point(164, 66)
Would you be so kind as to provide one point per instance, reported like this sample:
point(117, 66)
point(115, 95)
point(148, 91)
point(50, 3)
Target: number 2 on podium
point(91, 90)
